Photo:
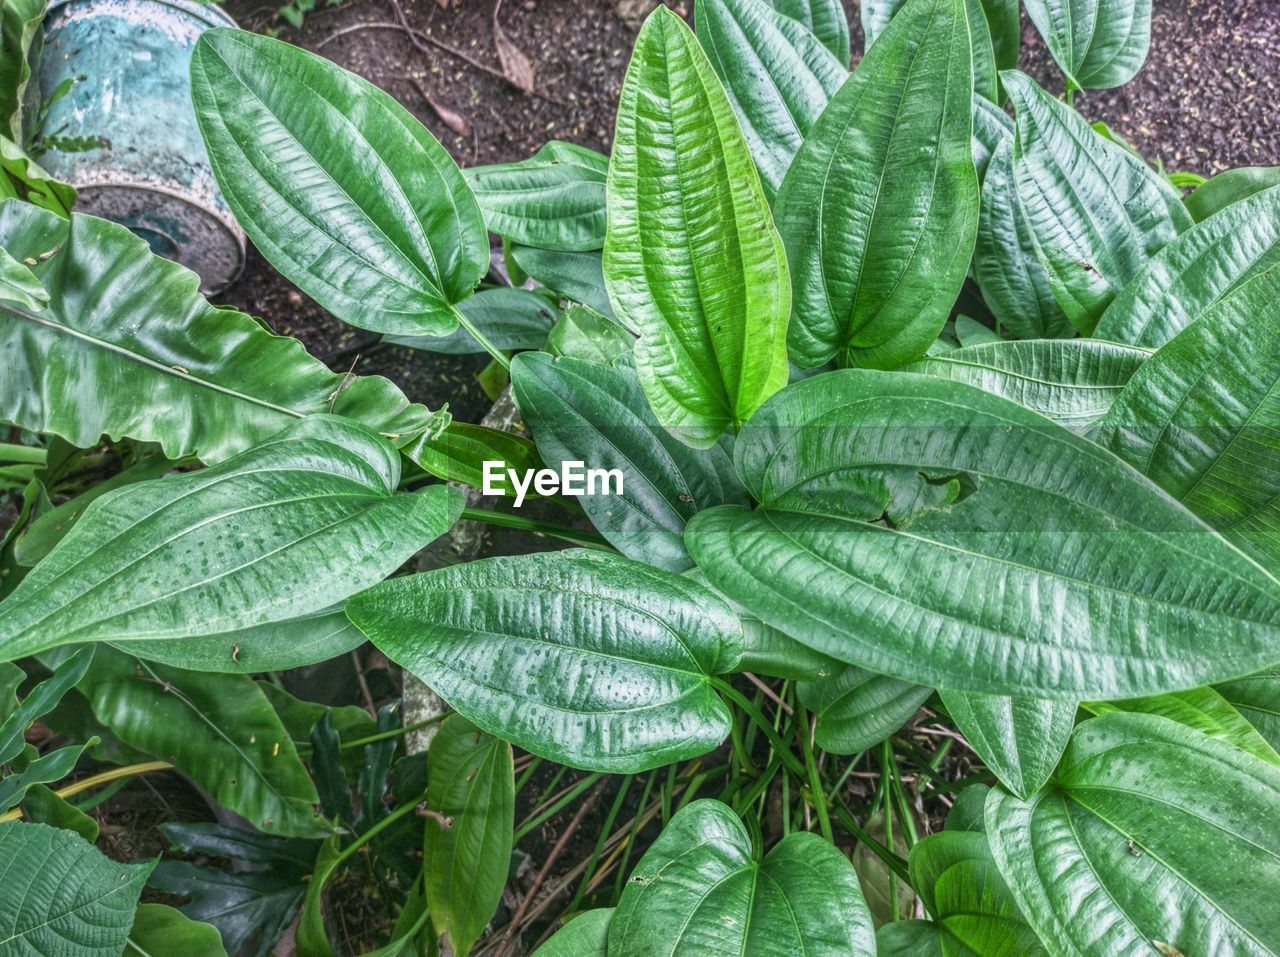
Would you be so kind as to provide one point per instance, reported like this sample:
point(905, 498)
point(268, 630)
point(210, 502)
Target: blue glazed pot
point(130, 61)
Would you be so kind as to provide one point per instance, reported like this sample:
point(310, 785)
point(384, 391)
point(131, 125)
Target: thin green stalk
point(21, 454)
point(815, 780)
point(631, 837)
point(499, 356)
point(527, 774)
point(752, 712)
point(393, 733)
point(605, 831)
point(569, 797)
point(850, 823)
point(587, 539)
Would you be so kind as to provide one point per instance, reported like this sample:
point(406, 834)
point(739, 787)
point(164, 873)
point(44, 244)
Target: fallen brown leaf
point(516, 66)
point(455, 121)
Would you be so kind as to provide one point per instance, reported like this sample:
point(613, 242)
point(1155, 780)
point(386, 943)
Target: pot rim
point(208, 13)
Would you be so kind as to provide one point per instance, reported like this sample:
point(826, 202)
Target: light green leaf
point(338, 185)
point(287, 529)
point(18, 284)
point(1230, 187)
point(701, 889)
point(895, 505)
point(1097, 213)
point(825, 19)
point(43, 769)
point(1257, 698)
point(161, 931)
point(554, 199)
point(61, 896)
point(128, 347)
point(21, 178)
point(1150, 832)
point(1020, 739)
point(1072, 381)
point(582, 333)
point(1196, 271)
point(584, 936)
point(582, 412)
point(584, 658)
point(778, 75)
point(874, 16)
point(43, 806)
point(880, 207)
point(511, 319)
point(467, 849)
point(1098, 44)
point(857, 709)
point(1199, 418)
point(692, 261)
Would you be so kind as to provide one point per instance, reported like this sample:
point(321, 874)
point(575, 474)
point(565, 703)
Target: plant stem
point(586, 539)
point(393, 733)
point(760, 721)
point(815, 781)
point(499, 356)
point(21, 454)
point(89, 783)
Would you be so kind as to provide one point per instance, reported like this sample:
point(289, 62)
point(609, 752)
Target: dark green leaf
point(1005, 26)
point(39, 701)
point(880, 207)
point(588, 659)
point(511, 319)
point(1098, 44)
point(460, 453)
point(577, 276)
point(338, 185)
point(826, 20)
point(909, 938)
point(1020, 739)
point(1257, 698)
point(584, 936)
point(1230, 187)
point(160, 931)
point(43, 806)
point(19, 43)
point(857, 708)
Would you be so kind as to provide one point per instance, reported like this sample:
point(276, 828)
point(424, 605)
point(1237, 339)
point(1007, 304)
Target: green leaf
point(61, 896)
point(21, 178)
point(692, 261)
point(1196, 271)
point(1199, 418)
point(511, 319)
point(40, 700)
point(880, 207)
point(1257, 698)
point(220, 730)
point(1201, 708)
point(825, 19)
point(909, 938)
point(778, 75)
point(973, 912)
point(1098, 44)
point(985, 83)
point(161, 931)
point(338, 185)
point(20, 39)
point(1020, 739)
point(584, 936)
point(1230, 187)
point(1097, 213)
point(460, 453)
point(284, 530)
point(582, 412)
point(467, 849)
point(878, 880)
point(582, 333)
point(1151, 832)
point(554, 199)
point(127, 347)
point(584, 658)
point(1072, 381)
point(1005, 26)
point(991, 127)
point(874, 16)
point(857, 709)
point(577, 276)
point(1108, 588)
point(43, 806)
point(1014, 284)
point(18, 284)
point(42, 769)
point(700, 888)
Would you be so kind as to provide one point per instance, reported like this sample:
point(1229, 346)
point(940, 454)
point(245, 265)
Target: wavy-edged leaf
point(467, 848)
point(825, 19)
point(338, 185)
point(39, 701)
point(692, 261)
point(21, 178)
point(287, 529)
point(511, 319)
point(1108, 588)
point(1200, 418)
point(1072, 381)
point(857, 709)
point(554, 199)
point(1230, 187)
point(701, 889)
point(880, 207)
point(1098, 44)
point(39, 770)
point(582, 412)
point(582, 333)
point(1257, 698)
point(778, 75)
point(588, 659)
point(1150, 832)
point(61, 896)
point(1097, 213)
point(1020, 739)
point(162, 931)
point(584, 936)
point(1196, 271)
point(1014, 283)
point(128, 347)
point(20, 22)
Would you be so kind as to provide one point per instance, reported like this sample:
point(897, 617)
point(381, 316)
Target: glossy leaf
point(587, 413)
point(584, 936)
point(1072, 381)
point(1195, 272)
point(19, 285)
point(701, 889)
point(1014, 283)
point(1005, 25)
point(511, 319)
point(825, 19)
point(857, 709)
point(1257, 698)
point(1108, 588)
point(582, 333)
point(1098, 44)
point(554, 199)
point(711, 301)
point(22, 178)
point(1129, 846)
point(577, 276)
point(467, 850)
point(61, 896)
point(162, 931)
point(880, 207)
point(1097, 213)
point(128, 347)
point(287, 529)
point(39, 701)
point(1199, 418)
point(588, 659)
point(460, 453)
point(1230, 187)
point(778, 75)
point(1020, 739)
point(991, 127)
point(338, 185)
